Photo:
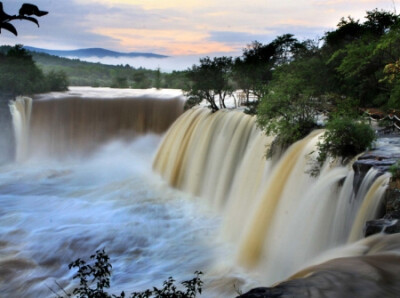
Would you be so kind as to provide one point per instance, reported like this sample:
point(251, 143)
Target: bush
point(95, 278)
point(191, 102)
point(345, 138)
point(19, 75)
point(291, 106)
point(57, 81)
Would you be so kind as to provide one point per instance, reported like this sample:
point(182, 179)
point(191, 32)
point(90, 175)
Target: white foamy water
point(56, 206)
point(52, 213)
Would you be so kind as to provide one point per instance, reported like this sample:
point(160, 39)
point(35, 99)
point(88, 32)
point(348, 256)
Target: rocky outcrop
point(390, 223)
point(263, 292)
point(379, 160)
point(375, 273)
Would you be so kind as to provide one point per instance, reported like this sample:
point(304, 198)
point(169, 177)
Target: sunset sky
point(180, 27)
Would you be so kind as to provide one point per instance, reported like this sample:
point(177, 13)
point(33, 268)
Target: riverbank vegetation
point(81, 73)
point(19, 75)
point(289, 84)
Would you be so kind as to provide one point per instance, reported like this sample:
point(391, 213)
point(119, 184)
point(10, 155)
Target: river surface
point(55, 212)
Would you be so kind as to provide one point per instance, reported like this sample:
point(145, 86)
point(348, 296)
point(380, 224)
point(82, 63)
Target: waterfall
point(71, 124)
point(265, 220)
point(20, 110)
point(369, 206)
point(277, 215)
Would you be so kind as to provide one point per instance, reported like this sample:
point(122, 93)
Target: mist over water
point(240, 218)
point(57, 207)
point(54, 212)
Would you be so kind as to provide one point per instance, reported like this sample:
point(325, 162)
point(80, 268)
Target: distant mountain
point(92, 52)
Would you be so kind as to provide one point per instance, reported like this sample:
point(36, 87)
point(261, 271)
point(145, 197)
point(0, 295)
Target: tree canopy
point(209, 81)
point(352, 68)
point(19, 75)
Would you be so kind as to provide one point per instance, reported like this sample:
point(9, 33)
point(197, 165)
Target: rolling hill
point(92, 52)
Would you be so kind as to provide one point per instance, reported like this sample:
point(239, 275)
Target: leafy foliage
point(20, 75)
point(98, 273)
point(56, 80)
point(356, 66)
point(291, 107)
point(95, 278)
point(357, 53)
point(345, 138)
point(209, 81)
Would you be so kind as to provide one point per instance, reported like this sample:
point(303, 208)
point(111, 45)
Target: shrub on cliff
point(291, 107)
point(344, 138)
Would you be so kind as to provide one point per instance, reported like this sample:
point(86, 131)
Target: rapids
point(93, 170)
point(55, 212)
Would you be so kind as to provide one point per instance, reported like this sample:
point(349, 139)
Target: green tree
point(119, 82)
point(291, 107)
point(157, 82)
point(57, 81)
point(141, 79)
point(254, 69)
point(19, 73)
point(344, 138)
point(358, 52)
point(176, 80)
point(210, 81)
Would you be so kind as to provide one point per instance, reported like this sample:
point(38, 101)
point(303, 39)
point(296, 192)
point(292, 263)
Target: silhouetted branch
point(25, 13)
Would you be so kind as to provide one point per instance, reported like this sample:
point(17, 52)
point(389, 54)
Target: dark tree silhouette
point(24, 13)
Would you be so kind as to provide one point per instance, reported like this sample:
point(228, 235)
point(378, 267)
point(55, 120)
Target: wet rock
point(378, 159)
point(389, 224)
point(264, 293)
point(380, 162)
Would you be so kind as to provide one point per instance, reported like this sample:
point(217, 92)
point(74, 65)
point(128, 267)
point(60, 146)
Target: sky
point(190, 28)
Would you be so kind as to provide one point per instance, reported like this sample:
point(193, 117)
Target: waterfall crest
point(277, 214)
point(76, 125)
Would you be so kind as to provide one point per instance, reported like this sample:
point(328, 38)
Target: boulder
point(389, 224)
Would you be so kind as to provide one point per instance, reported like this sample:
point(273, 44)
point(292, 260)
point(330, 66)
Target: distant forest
point(357, 63)
point(81, 73)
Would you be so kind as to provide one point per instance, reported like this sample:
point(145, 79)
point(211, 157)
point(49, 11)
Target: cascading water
point(21, 113)
point(75, 123)
point(268, 215)
point(277, 214)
